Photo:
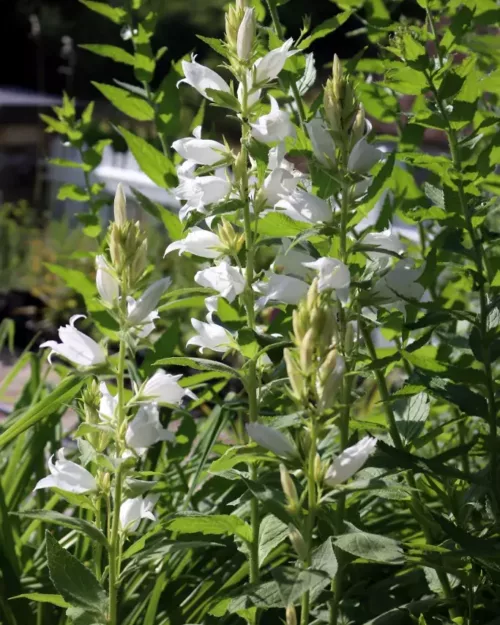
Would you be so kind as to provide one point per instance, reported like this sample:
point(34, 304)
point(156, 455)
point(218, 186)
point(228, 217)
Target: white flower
point(283, 177)
point(200, 191)
point(333, 274)
point(142, 311)
point(291, 261)
point(274, 126)
point(271, 439)
point(199, 242)
point(269, 66)
point(350, 461)
point(246, 33)
point(399, 283)
point(210, 336)
point(200, 151)
point(133, 510)
point(363, 157)
point(282, 289)
point(385, 240)
point(107, 405)
point(223, 278)
point(145, 429)
point(163, 388)
point(67, 476)
point(253, 96)
point(106, 282)
point(304, 206)
point(202, 78)
point(322, 143)
point(76, 347)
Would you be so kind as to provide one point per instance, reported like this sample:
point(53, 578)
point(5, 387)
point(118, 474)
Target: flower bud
point(300, 321)
point(327, 366)
point(318, 469)
point(328, 391)
point(289, 489)
point(307, 349)
point(295, 375)
point(338, 82)
point(106, 282)
point(291, 615)
point(358, 126)
point(231, 241)
point(298, 543)
point(120, 206)
point(312, 295)
point(246, 34)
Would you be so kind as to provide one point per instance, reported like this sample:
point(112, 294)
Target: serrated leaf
point(271, 534)
point(222, 524)
point(111, 52)
point(132, 105)
point(325, 28)
point(40, 597)
point(293, 583)
point(152, 162)
point(370, 546)
point(323, 559)
point(65, 520)
point(411, 415)
point(74, 582)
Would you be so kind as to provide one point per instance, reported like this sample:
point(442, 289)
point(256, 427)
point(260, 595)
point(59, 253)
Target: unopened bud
point(120, 206)
point(289, 489)
point(338, 81)
point(106, 482)
point(358, 126)
point(300, 321)
point(306, 352)
point(240, 165)
point(312, 295)
point(246, 34)
point(318, 469)
point(291, 615)
point(231, 240)
point(295, 375)
point(329, 389)
point(298, 543)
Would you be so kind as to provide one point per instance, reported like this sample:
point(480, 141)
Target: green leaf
point(278, 225)
point(200, 364)
point(411, 415)
point(323, 559)
point(111, 52)
point(370, 546)
point(43, 598)
point(64, 520)
point(115, 14)
point(168, 104)
point(224, 524)
point(152, 162)
point(170, 220)
point(224, 99)
point(74, 582)
point(293, 583)
point(126, 102)
point(325, 28)
point(62, 395)
point(71, 191)
point(272, 533)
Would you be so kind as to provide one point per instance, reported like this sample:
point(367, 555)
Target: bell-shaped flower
point(274, 126)
point(133, 510)
point(283, 177)
point(304, 206)
point(350, 461)
point(76, 346)
point(67, 476)
point(400, 283)
point(387, 242)
point(363, 157)
point(252, 95)
point(210, 336)
point(322, 142)
point(200, 151)
point(142, 311)
point(107, 405)
point(199, 242)
point(269, 66)
point(227, 280)
point(164, 388)
point(291, 261)
point(333, 274)
point(202, 78)
point(106, 282)
point(271, 439)
point(145, 429)
point(246, 34)
point(201, 191)
point(281, 289)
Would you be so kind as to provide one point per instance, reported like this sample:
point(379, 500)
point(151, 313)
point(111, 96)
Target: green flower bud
point(291, 615)
point(289, 489)
point(295, 375)
point(298, 542)
point(306, 353)
point(120, 206)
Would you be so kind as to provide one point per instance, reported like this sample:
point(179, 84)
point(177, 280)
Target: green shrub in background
point(299, 468)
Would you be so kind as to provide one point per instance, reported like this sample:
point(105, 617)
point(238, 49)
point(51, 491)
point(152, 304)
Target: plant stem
point(311, 514)
point(337, 582)
point(293, 85)
point(114, 537)
point(416, 505)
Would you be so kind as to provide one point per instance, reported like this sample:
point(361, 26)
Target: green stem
point(273, 11)
point(114, 537)
point(311, 515)
point(416, 505)
point(338, 580)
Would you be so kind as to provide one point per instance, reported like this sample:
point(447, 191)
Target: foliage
point(332, 456)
